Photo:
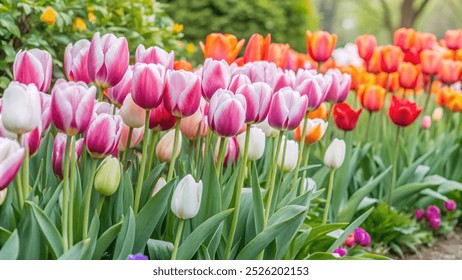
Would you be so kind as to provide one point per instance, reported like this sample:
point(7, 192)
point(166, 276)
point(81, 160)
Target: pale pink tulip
point(132, 114)
point(164, 148)
point(155, 55)
point(76, 61)
point(137, 136)
point(287, 109)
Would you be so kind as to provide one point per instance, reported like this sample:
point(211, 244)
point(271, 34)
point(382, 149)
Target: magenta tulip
point(59, 146)
point(226, 113)
point(287, 109)
point(76, 61)
point(340, 87)
point(258, 99)
point(362, 238)
point(340, 252)
point(33, 67)
point(155, 55)
point(103, 135)
point(182, 93)
point(314, 86)
point(72, 106)
point(148, 85)
point(108, 59)
point(450, 205)
point(45, 100)
point(160, 119)
point(11, 157)
point(32, 140)
point(118, 93)
point(216, 75)
point(237, 81)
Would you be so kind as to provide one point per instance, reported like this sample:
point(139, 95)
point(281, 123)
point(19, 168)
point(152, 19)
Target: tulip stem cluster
point(87, 198)
point(179, 232)
point(73, 162)
point(139, 184)
point(300, 154)
point(175, 149)
point(273, 179)
point(221, 155)
point(306, 158)
point(152, 149)
point(329, 196)
point(395, 163)
point(127, 150)
point(65, 218)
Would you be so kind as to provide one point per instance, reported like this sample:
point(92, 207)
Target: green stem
point(175, 149)
point(283, 160)
point(127, 148)
point(306, 157)
point(221, 155)
point(100, 93)
point(429, 93)
point(87, 198)
point(395, 163)
point(100, 204)
point(65, 215)
point(268, 175)
point(25, 173)
point(72, 192)
point(207, 147)
point(197, 150)
point(329, 196)
point(300, 152)
point(368, 129)
point(19, 191)
point(237, 202)
point(179, 232)
point(139, 184)
point(152, 149)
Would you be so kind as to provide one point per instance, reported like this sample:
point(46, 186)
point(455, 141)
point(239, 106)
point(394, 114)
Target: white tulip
point(335, 154)
point(290, 160)
point(267, 129)
point(186, 200)
point(256, 143)
point(159, 185)
point(309, 185)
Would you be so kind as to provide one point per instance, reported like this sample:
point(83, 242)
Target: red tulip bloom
point(345, 117)
point(257, 48)
point(366, 45)
point(408, 75)
point(390, 58)
point(403, 112)
point(404, 38)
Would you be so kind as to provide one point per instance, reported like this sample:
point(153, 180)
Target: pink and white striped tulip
point(287, 109)
point(76, 61)
point(164, 149)
point(160, 119)
point(45, 101)
point(132, 114)
point(155, 55)
point(226, 113)
point(191, 125)
point(108, 59)
point(103, 135)
point(232, 151)
point(59, 147)
point(340, 86)
point(21, 111)
point(118, 92)
point(72, 106)
point(32, 140)
point(137, 136)
point(11, 157)
point(33, 67)
point(216, 75)
point(314, 86)
point(182, 93)
point(258, 99)
point(103, 108)
point(237, 81)
point(148, 85)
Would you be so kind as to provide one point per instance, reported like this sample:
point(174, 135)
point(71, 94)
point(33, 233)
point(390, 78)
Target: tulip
point(257, 48)
point(32, 140)
point(21, 108)
point(437, 114)
point(216, 75)
point(48, 16)
point(186, 199)
point(450, 71)
point(424, 41)
point(33, 67)
point(154, 55)
point(108, 59)
point(366, 45)
point(232, 151)
point(72, 106)
point(340, 86)
point(390, 82)
point(320, 45)
point(403, 112)
point(426, 122)
point(340, 252)
point(137, 257)
point(132, 114)
point(362, 238)
point(5, 133)
point(148, 85)
point(45, 100)
point(107, 176)
point(404, 38)
point(434, 223)
point(408, 75)
point(309, 185)
point(430, 61)
point(350, 240)
point(258, 98)
point(3, 194)
point(119, 92)
point(345, 117)
point(287, 109)
point(371, 97)
point(279, 54)
point(390, 58)
point(182, 93)
point(373, 64)
point(182, 65)
point(315, 129)
point(450, 205)
point(137, 136)
point(237, 81)
point(335, 154)
point(226, 114)
point(419, 214)
point(319, 113)
point(432, 212)
point(57, 157)
point(103, 108)
point(453, 39)
point(11, 157)
point(164, 148)
point(314, 86)
point(76, 61)
point(267, 129)
point(281, 80)
point(103, 135)
point(160, 119)
point(191, 125)
point(221, 46)
point(290, 157)
point(159, 185)
point(256, 143)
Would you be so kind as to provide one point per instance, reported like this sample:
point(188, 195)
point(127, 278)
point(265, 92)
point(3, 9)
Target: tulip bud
point(426, 122)
point(226, 113)
point(434, 223)
point(340, 252)
point(159, 185)
point(432, 212)
point(453, 39)
point(160, 119)
point(21, 111)
point(335, 154)
point(419, 214)
point(450, 205)
point(107, 176)
point(137, 136)
point(190, 126)
point(45, 100)
point(57, 157)
point(103, 135)
point(350, 240)
point(320, 45)
point(437, 114)
point(3, 194)
point(340, 86)
point(154, 55)
point(237, 81)
point(32, 140)
point(256, 143)
point(75, 61)
point(148, 85)
point(232, 150)
point(309, 185)
point(186, 199)
point(164, 148)
point(258, 99)
point(267, 129)
point(291, 156)
point(314, 86)
point(182, 93)
point(315, 130)
point(33, 67)
point(366, 45)
point(103, 108)
point(215, 75)
point(132, 114)
point(287, 109)
point(11, 157)
point(119, 92)
point(362, 238)
point(221, 46)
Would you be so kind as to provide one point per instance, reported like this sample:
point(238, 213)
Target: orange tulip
point(450, 71)
point(320, 45)
point(452, 99)
point(371, 97)
point(49, 16)
point(356, 74)
point(404, 38)
point(381, 79)
point(390, 58)
point(257, 48)
point(373, 65)
point(366, 45)
point(430, 61)
point(453, 39)
point(182, 65)
point(279, 54)
point(319, 113)
point(424, 41)
point(315, 129)
point(221, 46)
point(296, 60)
point(408, 75)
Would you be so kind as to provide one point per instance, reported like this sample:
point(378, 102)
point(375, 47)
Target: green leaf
point(105, 240)
point(126, 238)
point(257, 199)
point(406, 174)
point(92, 240)
point(10, 251)
point(159, 249)
point(408, 190)
point(434, 194)
point(322, 230)
point(76, 252)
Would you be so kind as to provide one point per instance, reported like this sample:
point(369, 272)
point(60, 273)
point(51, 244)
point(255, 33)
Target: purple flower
point(137, 257)
point(434, 223)
point(432, 212)
point(450, 205)
point(362, 238)
point(340, 252)
point(419, 214)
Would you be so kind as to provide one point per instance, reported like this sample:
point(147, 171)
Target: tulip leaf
point(92, 240)
point(10, 250)
point(407, 172)
point(257, 199)
point(297, 243)
point(126, 238)
point(322, 230)
point(105, 240)
point(76, 252)
point(4, 235)
point(408, 190)
point(149, 183)
point(192, 243)
point(159, 249)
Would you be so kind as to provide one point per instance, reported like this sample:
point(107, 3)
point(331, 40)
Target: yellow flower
point(177, 28)
point(90, 9)
point(79, 25)
point(91, 17)
point(49, 16)
point(120, 12)
point(190, 47)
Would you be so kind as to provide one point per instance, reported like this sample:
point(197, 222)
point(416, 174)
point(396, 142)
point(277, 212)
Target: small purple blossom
point(432, 212)
point(340, 252)
point(450, 205)
point(419, 214)
point(362, 238)
point(434, 223)
point(137, 257)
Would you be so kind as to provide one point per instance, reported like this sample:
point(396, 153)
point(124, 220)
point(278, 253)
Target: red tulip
point(33, 67)
point(404, 38)
point(76, 61)
point(11, 157)
point(390, 58)
point(154, 55)
point(287, 109)
point(403, 112)
point(103, 135)
point(160, 119)
point(258, 99)
point(215, 75)
point(366, 45)
point(320, 45)
point(148, 85)
point(182, 93)
point(257, 48)
point(226, 114)
point(345, 117)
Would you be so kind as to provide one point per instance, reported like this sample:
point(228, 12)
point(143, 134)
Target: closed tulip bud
point(33, 67)
point(345, 117)
point(155, 55)
point(258, 99)
point(350, 240)
point(419, 214)
point(450, 205)
point(108, 59)
point(57, 157)
point(148, 85)
point(237, 81)
point(320, 45)
point(137, 136)
point(221, 46)
point(366, 45)
point(256, 143)
point(403, 112)
point(107, 176)
point(287, 109)
point(191, 125)
point(437, 114)
point(72, 106)
point(450, 71)
point(315, 129)
point(160, 119)
point(267, 129)
point(426, 122)
point(340, 252)
point(257, 48)
point(430, 61)
point(226, 114)
point(45, 100)
point(309, 185)
point(291, 156)
point(186, 199)
point(159, 185)
point(76, 61)
point(314, 86)
point(164, 148)
point(182, 93)
point(11, 157)
point(453, 39)
point(119, 92)
point(335, 154)
point(340, 86)
point(3, 194)
point(103, 135)
point(371, 97)
point(434, 223)
point(390, 58)
point(432, 211)
point(21, 108)
point(132, 114)
point(216, 75)
point(408, 75)
point(404, 38)
point(362, 238)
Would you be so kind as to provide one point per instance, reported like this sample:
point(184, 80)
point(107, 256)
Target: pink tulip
point(103, 108)
point(182, 93)
point(59, 147)
point(76, 61)
point(190, 126)
point(216, 75)
point(108, 59)
point(45, 100)
point(132, 114)
point(33, 67)
point(164, 148)
point(287, 109)
point(426, 122)
point(282, 79)
point(148, 85)
point(237, 81)
point(340, 86)
point(226, 113)
point(11, 157)
point(118, 93)
point(72, 106)
point(155, 55)
point(137, 136)
point(32, 140)
point(103, 135)
point(314, 86)
point(232, 151)
point(160, 119)
point(258, 99)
